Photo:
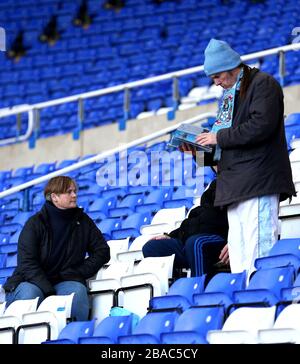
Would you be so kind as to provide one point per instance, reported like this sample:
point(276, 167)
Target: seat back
point(273, 279)
point(226, 283)
point(243, 325)
point(180, 295)
point(116, 270)
point(20, 307)
point(109, 330)
point(48, 320)
point(162, 266)
point(117, 246)
point(53, 303)
point(200, 319)
point(12, 318)
point(289, 318)
point(150, 328)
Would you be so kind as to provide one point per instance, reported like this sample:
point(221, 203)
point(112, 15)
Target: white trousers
point(253, 230)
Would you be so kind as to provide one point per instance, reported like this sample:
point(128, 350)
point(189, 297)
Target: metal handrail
point(103, 155)
point(123, 87)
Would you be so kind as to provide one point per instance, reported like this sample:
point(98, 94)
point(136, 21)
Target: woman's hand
point(206, 139)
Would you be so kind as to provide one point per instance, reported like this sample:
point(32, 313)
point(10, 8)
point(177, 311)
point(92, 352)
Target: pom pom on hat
point(220, 57)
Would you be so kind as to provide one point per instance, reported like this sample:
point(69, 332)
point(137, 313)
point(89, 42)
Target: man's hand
point(187, 148)
point(159, 237)
point(206, 139)
point(224, 255)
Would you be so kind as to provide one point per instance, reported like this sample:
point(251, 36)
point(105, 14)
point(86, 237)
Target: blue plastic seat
point(23, 171)
point(2, 260)
point(11, 260)
point(219, 290)
point(127, 206)
point(181, 197)
point(180, 294)
point(109, 330)
point(285, 252)
point(265, 287)
point(131, 226)
point(66, 163)
point(291, 294)
point(16, 223)
point(150, 328)
point(4, 239)
point(108, 225)
point(154, 201)
point(193, 325)
point(103, 204)
point(71, 333)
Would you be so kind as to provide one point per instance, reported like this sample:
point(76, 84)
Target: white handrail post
point(80, 118)
point(33, 114)
point(175, 88)
point(18, 123)
point(126, 109)
point(281, 67)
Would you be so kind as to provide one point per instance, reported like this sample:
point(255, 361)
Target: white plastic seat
point(48, 320)
point(242, 326)
point(286, 328)
point(102, 292)
point(115, 270)
point(2, 308)
point(289, 217)
point(12, 317)
point(150, 278)
point(134, 252)
point(103, 288)
point(130, 255)
point(117, 246)
point(139, 242)
point(165, 220)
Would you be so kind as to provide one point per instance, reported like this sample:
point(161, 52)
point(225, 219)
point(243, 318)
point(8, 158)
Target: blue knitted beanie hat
point(220, 57)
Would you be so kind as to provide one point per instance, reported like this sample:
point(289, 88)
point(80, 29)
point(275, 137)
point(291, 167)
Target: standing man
point(53, 248)
point(254, 172)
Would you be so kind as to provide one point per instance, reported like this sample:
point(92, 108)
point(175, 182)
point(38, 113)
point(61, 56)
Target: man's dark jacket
point(254, 160)
point(34, 250)
point(204, 219)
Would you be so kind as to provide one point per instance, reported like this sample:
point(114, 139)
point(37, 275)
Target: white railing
point(32, 110)
point(101, 156)
point(30, 126)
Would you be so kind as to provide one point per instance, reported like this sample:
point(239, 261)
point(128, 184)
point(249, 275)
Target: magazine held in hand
point(187, 133)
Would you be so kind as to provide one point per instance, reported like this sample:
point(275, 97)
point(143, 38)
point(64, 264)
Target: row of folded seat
point(190, 309)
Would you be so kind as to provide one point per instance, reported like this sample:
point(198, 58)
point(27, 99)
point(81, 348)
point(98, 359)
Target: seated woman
point(204, 223)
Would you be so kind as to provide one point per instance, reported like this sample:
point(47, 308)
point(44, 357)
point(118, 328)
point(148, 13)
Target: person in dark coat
point(254, 171)
point(53, 248)
point(204, 221)
point(17, 49)
point(83, 18)
point(50, 33)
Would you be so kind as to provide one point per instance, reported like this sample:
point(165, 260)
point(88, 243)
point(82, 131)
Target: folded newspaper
point(187, 133)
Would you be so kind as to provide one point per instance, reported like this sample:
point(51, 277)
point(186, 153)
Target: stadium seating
point(242, 326)
point(286, 328)
point(71, 333)
point(47, 321)
point(120, 47)
point(193, 325)
point(179, 296)
point(150, 328)
point(109, 330)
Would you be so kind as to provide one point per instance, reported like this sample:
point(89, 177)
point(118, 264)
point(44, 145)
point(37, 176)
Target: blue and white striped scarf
point(225, 113)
